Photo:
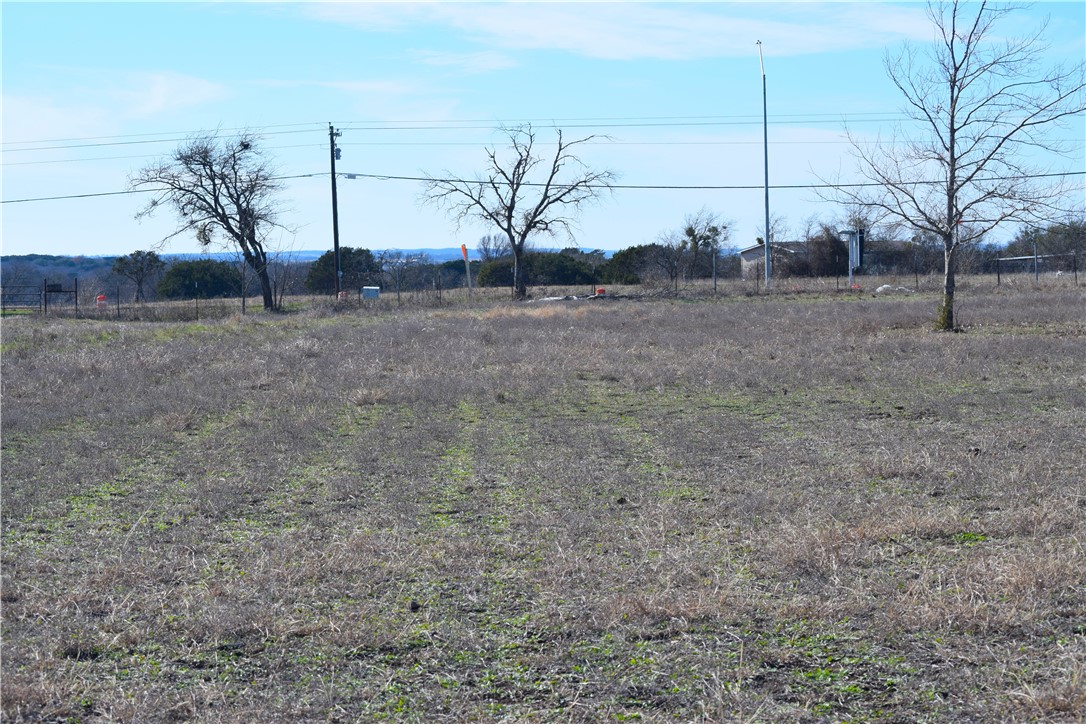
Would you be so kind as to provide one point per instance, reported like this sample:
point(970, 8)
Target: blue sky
point(93, 91)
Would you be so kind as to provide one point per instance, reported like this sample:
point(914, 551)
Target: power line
point(640, 124)
point(127, 143)
point(121, 158)
point(431, 144)
point(631, 122)
point(162, 133)
point(635, 187)
point(424, 144)
point(459, 124)
point(445, 124)
point(667, 187)
point(615, 118)
point(130, 191)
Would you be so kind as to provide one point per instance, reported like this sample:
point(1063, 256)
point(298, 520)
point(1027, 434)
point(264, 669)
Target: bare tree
point(286, 274)
point(669, 256)
point(219, 187)
point(778, 230)
point(17, 273)
point(981, 104)
point(523, 193)
point(400, 268)
point(1063, 237)
point(690, 250)
point(705, 232)
point(492, 246)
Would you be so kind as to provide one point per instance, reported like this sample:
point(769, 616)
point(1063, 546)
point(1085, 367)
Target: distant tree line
point(1063, 238)
point(670, 261)
point(200, 279)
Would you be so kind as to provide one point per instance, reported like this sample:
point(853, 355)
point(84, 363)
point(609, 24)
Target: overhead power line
point(631, 124)
point(602, 123)
point(160, 133)
point(495, 123)
point(668, 187)
point(73, 143)
point(635, 187)
point(141, 142)
point(49, 161)
point(431, 144)
point(444, 124)
point(122, 158)
point(129, 191)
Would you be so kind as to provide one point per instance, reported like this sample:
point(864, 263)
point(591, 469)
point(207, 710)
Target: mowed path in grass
point(799, 508)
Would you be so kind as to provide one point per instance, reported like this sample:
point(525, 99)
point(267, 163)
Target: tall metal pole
point(333, 134)
point(765, 146)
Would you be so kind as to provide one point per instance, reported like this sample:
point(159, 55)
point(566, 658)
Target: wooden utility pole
point(334, 152)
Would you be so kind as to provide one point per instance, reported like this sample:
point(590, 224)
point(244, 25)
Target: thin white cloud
point(95, 101)
point(627, 31)
point(26, 119)
point(159, 93)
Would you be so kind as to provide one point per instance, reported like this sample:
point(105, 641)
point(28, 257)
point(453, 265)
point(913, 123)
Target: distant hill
point(94, 262)
point(437, 255)
point(32, 268)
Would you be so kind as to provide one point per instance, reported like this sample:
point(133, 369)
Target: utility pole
point(334, 152)
point(765, 146)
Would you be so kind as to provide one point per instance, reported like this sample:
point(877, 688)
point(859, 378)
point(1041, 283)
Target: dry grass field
point(795, 507)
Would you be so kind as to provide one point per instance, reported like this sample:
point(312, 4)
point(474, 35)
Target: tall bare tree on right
point(983, 108)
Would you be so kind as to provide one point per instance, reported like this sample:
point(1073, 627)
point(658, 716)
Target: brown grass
point(802, 507)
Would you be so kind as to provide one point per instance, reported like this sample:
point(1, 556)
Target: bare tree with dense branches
point(667, 255)
point(706, 232)
point(523, 193)
point(981, 105)
point(492, 246)
point(217, 187)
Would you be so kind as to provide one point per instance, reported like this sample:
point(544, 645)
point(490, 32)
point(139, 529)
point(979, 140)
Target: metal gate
point(21, 297)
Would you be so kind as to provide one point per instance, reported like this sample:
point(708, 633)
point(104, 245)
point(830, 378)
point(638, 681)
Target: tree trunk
point(266, 288)
point(520, 288)
point(944, 320)
point(257, 259)
point(259, 263)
